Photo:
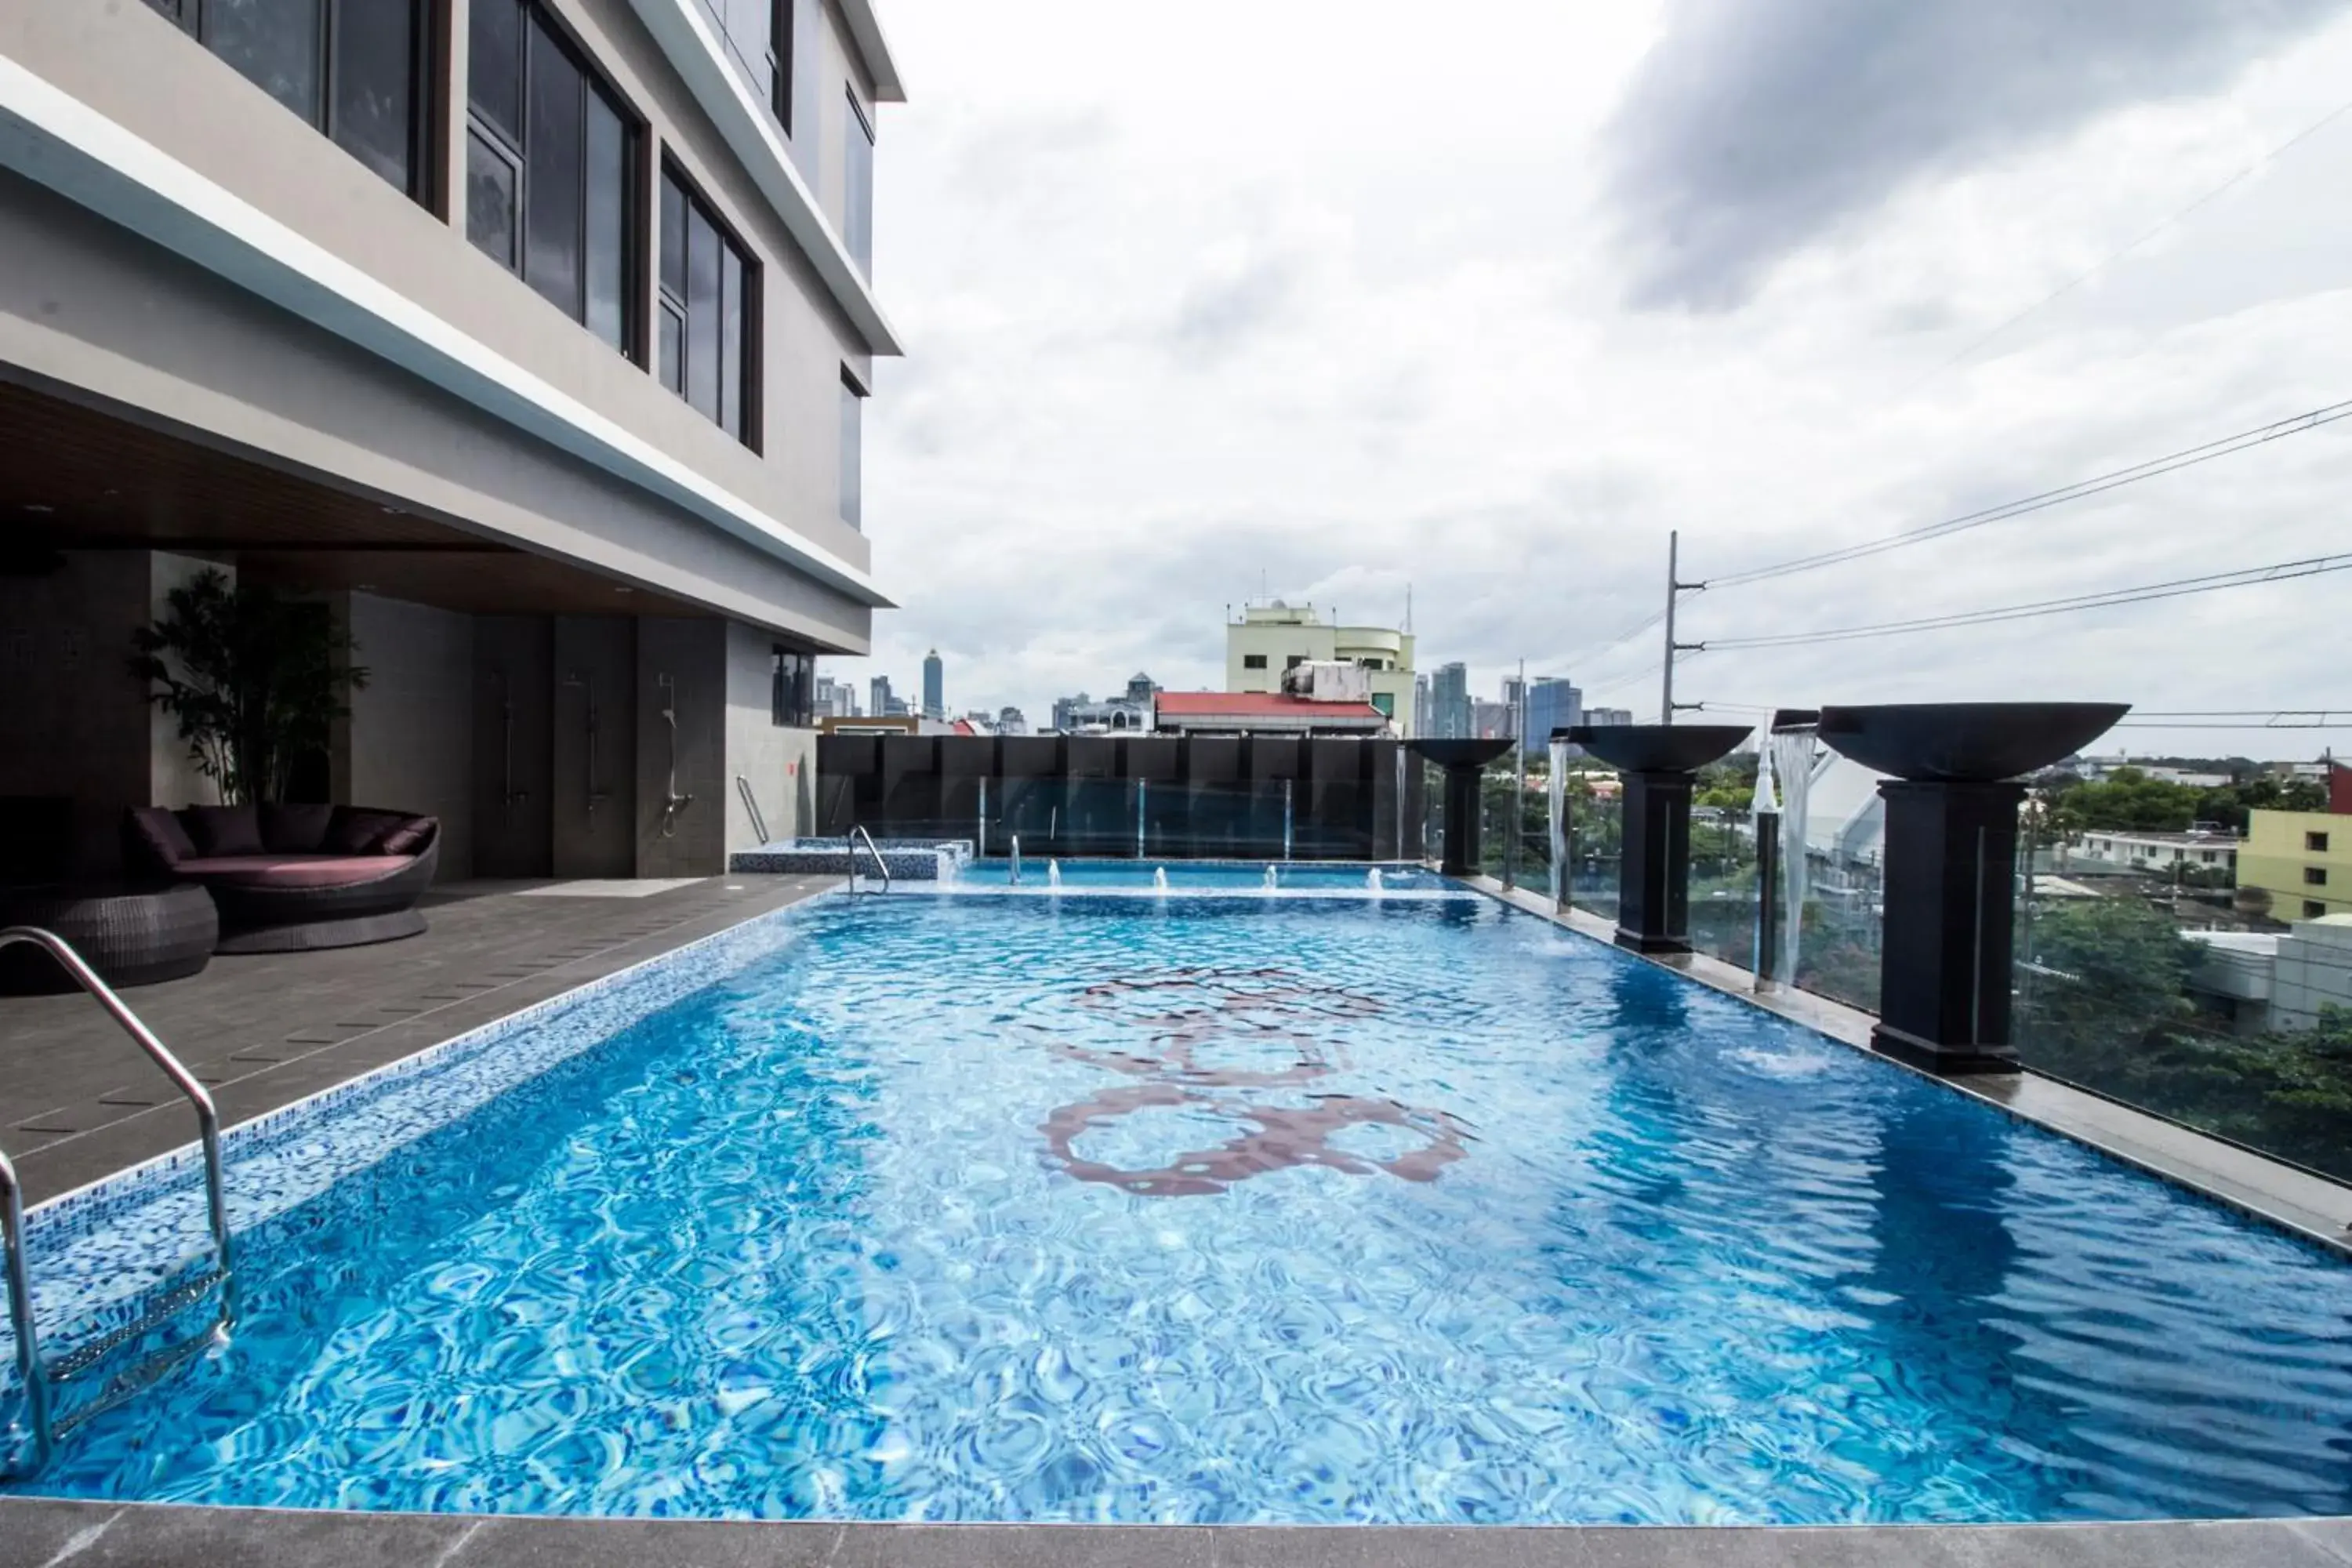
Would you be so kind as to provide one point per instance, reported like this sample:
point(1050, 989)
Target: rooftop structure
point(1275, 636)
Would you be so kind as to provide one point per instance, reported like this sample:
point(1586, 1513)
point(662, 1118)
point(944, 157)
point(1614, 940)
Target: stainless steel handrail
point(856, 836)
point(752, 804)
point(20, 1312)
point(12, 1217)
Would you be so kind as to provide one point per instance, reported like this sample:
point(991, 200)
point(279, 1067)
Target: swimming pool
point(1223, 1209)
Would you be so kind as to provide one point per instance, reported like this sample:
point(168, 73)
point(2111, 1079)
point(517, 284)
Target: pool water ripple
point(1230, 1209)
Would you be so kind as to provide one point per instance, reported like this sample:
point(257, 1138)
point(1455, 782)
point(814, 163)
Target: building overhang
point(866, 30)
point(57, 141)
point(690, 41)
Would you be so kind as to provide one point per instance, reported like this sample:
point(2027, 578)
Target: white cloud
point(1201, 299)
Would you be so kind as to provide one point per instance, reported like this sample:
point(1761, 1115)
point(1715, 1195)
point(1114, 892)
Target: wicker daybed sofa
point(289, 879)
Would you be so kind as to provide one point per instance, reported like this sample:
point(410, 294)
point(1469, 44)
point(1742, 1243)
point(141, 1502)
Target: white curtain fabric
point(1792, 753)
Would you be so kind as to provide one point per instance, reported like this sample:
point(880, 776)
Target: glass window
point(708, 308)
point(779, 63)
point(559, 212)
point(853, 453)
point(1253, 661)
point(489, 199)
point(607, 237)
point(730, 339)
point(2314, 910)
point(792, 700)
point(858, 201)
point(2315, 842)
point(2315, 876)
point(275, 44)
point(494, 65)
point(555, 193)
point(375, 86)
point(702, 336)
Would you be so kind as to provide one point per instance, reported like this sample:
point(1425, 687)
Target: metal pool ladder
point(40, 1376)
point(860, 835)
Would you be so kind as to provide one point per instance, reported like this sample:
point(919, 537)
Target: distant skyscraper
point(1424, 721)
point(1012, 721)
point(1141, 689)
point(1553, 703)
point(1451, 715)
point(880, 700)
point(935, 684)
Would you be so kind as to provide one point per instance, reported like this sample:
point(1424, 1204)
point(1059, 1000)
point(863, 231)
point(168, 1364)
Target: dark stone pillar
point(1944, 979)
point(1653, 870)
point(1461, 813)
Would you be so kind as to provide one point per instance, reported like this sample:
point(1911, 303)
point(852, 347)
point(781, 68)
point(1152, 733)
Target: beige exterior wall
point(1282, 635)
point(2280, 853)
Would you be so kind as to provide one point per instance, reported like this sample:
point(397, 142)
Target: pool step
point(146, 1375)
point(78, 1360)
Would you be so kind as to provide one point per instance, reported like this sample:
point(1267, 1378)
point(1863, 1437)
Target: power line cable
point(2172, 589)
point(2153, 468)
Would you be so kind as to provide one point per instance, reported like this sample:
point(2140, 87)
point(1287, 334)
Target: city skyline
point(1773, 368)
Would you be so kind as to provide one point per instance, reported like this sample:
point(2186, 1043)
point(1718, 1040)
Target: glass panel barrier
point(2180, 964)
point(1596, 836)
point(1835, 861)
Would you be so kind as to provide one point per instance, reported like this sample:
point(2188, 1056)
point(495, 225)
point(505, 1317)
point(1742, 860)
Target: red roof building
point(1262, 713)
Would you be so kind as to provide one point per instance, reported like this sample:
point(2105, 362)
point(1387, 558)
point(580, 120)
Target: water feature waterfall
point(1054, 874)
point(1556, 808)
point(1376, 882)
point(1160, 878)
point(1793, 753)
point(1272, 881)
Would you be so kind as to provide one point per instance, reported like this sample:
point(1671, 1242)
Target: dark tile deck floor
point(78, 1101)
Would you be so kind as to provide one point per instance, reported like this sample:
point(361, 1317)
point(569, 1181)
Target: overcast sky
point(1483, 299)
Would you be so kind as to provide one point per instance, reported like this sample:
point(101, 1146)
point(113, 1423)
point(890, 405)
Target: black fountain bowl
point(1965, 742)
point(1460, 753)
point(1658, 748)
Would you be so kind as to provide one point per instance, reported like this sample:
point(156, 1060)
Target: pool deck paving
point(41, 1534)
point(77, 1101)
point(77, 1104)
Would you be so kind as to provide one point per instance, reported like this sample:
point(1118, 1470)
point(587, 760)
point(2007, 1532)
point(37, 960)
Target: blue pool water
point(1217, 1209)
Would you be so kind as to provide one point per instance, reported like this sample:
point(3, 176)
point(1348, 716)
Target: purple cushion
point(355, 830)
point(158, 832)
point(223, 829)
point(409, 837)
point(295, 829)
point(295, 871)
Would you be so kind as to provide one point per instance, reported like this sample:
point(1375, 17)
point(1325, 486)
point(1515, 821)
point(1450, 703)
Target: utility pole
point(1675, 588)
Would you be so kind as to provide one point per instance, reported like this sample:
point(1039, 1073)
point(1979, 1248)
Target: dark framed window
point(857, 161)
point(852, 451)
point(2316, 843)
point(353, 69)
point(551, 161)
point(1253, 661)
point(1294, 661)
point(2314, 910)
point(780, 24)
point(2315, 876)
point(709, 311)
point(792, 693)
